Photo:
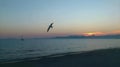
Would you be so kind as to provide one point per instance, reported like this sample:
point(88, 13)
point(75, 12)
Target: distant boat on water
point(22, 39)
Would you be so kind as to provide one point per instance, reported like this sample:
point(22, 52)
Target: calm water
point(16, 49)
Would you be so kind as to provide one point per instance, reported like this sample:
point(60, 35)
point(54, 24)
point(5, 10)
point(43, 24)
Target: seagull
point(50, 26)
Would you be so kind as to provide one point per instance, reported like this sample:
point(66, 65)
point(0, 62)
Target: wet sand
point(97, 58)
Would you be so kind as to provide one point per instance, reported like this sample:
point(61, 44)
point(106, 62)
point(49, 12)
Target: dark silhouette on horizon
point(22, 39)
point(50, 26)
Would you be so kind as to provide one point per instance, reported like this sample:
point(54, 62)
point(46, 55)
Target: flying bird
point(50, 26)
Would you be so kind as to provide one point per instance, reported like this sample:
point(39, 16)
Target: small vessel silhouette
point(22, 39)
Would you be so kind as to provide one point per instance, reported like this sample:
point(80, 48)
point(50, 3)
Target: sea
point(15, 50)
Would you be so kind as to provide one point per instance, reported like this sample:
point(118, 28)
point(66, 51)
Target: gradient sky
point(30, 18)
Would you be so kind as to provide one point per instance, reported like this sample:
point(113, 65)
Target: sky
point(30, 18)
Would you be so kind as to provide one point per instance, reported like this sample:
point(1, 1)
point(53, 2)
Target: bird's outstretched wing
point(48, 29)
point(50, 26)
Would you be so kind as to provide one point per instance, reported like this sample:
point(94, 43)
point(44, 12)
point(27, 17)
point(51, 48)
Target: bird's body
point(50, 26)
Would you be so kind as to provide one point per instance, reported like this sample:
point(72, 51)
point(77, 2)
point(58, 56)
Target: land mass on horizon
point(89, 37)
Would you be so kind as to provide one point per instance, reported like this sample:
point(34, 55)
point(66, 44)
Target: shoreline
point(95, 58)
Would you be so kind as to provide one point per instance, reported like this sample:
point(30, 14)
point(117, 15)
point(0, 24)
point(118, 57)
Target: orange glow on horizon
point(89, 34)
point(115, 32)
point(93, 33)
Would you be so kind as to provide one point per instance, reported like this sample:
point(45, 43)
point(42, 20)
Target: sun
point(89, 34)
point(93, 33)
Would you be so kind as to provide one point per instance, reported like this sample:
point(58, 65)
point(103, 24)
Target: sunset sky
point(30, 18)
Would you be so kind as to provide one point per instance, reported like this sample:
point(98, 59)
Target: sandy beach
point(96, 58)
